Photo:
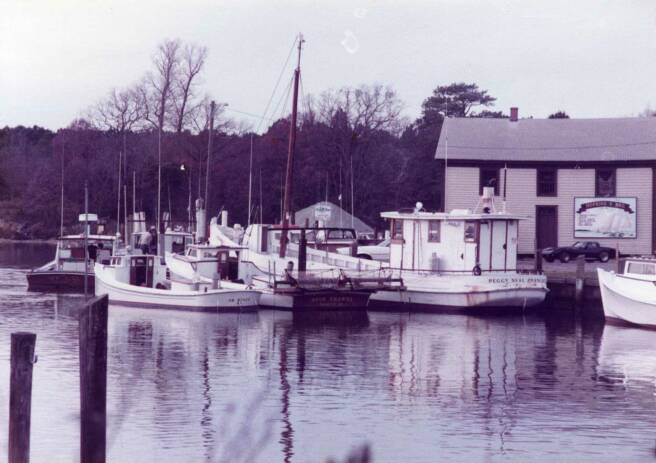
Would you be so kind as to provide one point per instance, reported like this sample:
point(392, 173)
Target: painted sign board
point(322, 212)
point(605, 217)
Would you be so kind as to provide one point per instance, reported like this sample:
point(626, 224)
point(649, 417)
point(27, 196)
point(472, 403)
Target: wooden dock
point(563, 279)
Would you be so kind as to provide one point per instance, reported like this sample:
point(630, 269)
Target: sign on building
point(605, 218)
point(322, 212)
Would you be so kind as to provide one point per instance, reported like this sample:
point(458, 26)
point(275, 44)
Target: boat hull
point(59, 281)
point(627, 300)
point(197, 301)
point(464, 294)
point(316, 301)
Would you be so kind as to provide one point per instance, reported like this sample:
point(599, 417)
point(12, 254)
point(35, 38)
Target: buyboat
point(67, 271)
point(628, 296)
point(463, 260)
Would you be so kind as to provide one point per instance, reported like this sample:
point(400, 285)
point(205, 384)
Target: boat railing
point(519, 271)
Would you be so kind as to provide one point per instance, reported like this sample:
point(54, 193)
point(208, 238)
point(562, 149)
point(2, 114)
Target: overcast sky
point(591, 58)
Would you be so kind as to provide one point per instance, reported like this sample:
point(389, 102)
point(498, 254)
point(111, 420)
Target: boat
point(463, 260)
point(142, 281)
point(628, 296)
point(67, 271)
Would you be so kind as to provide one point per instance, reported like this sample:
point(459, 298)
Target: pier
point(573, 284)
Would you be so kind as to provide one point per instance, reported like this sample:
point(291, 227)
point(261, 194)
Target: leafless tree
point(185, 102)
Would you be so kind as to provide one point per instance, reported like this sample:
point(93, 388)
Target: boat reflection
point(627, 356)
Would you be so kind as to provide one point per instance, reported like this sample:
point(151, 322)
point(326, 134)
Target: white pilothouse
point(460, 260)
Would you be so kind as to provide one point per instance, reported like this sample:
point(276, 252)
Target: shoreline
point(28, 241)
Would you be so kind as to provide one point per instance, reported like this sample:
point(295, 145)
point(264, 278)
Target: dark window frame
point(396, 230)
point(434, 231)
point(483, 179)
point(613, 182)
point(545, 188)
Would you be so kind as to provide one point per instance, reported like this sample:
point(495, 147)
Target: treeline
point(353, 148)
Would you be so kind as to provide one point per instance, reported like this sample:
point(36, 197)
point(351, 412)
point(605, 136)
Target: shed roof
point(610, 139)
point(337, 217)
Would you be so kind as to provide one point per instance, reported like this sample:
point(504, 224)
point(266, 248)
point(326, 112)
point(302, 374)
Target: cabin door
point(141, 271)
point(546, 226)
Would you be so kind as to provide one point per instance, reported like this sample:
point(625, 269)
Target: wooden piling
point(93, 380)
point(302, 253)
point(580, 281)
point(20, 396)
point(538, 260)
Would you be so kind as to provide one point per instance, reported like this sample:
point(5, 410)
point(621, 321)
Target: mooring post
point(538, 260)
point(93, 380)
point(580, 280)
point(20, 396)
point(302, 253)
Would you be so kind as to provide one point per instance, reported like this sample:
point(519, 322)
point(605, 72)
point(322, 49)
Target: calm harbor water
point(261, 387)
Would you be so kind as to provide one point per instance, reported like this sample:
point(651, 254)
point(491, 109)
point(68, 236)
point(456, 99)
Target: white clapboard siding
point(521, 195)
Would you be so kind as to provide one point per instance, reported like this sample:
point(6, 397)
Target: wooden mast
point(286, 209)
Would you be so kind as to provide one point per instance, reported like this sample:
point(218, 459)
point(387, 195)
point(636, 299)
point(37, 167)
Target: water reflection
point(268, 386)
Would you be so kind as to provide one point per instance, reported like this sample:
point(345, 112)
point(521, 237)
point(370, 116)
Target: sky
point(591, 58)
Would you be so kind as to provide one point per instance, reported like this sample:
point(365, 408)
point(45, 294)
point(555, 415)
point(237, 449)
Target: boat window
point(471, 231)
point(397, 229)
point(434, 231)
point(641, 268)
point(208, 254)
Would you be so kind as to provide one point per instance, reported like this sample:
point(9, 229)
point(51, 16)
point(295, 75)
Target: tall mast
point(286, 209)
point(250, 183)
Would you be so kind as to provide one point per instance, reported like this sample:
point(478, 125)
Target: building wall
point(463, 188)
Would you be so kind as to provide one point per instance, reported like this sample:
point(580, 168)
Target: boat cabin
point(266, 238)
point(460, 241)
point(71, 253)
point(641, 268)
point(209, 260)
point(173, 241)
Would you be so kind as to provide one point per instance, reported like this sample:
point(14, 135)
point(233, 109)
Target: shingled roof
point(612, 139)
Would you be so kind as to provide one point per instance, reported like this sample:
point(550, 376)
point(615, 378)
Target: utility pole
point(209, 153)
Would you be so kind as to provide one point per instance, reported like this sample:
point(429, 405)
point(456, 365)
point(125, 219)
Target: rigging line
point(261, 118)
point(304, 101)
point(284, 99)
point(551, 148)
point(275, 88)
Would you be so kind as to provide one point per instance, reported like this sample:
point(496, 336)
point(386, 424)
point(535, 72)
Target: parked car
point(380, 251)
point(590, 249)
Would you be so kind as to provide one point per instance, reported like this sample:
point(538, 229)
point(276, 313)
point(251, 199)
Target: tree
point(185, 102)
point(559, 115)
point(455, 100)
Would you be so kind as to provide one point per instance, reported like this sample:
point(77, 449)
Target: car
point(380, 251)
point(590, 249)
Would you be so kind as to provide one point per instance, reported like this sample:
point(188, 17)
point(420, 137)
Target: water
point(259, 387)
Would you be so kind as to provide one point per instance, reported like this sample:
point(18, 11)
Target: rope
point(275, 88)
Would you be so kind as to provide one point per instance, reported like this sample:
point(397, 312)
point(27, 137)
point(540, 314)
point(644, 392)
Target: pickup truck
point(590, 249)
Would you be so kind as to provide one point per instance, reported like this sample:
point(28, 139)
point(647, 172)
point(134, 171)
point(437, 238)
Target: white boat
point(141, 281)
point(629, 297)
point(67, 272)
point(458, 261)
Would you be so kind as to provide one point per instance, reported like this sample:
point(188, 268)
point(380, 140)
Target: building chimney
point(514, 114)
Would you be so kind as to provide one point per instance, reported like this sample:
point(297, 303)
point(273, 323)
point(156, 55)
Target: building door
point(546, 226)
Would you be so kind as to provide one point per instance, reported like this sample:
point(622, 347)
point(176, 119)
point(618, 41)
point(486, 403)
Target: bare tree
point(185, 102)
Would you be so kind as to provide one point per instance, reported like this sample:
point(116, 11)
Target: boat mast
point(61, 218)
point(286, 209)
point(250, 183)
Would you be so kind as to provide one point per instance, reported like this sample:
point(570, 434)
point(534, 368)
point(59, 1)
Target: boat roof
point(453, 215)
point(214, 246)
point(89, 237)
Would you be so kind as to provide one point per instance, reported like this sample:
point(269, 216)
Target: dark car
point(590, 249)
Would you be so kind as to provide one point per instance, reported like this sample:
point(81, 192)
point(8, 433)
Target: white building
point(576, 179)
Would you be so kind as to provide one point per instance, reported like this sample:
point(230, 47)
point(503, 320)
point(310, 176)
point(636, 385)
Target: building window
point(605, 183)
point(434, 231)
point(547, 181)
point(471, 231)
point(397, 229)
point(489, 176)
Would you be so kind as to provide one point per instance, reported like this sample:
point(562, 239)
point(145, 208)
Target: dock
point(562, 282)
